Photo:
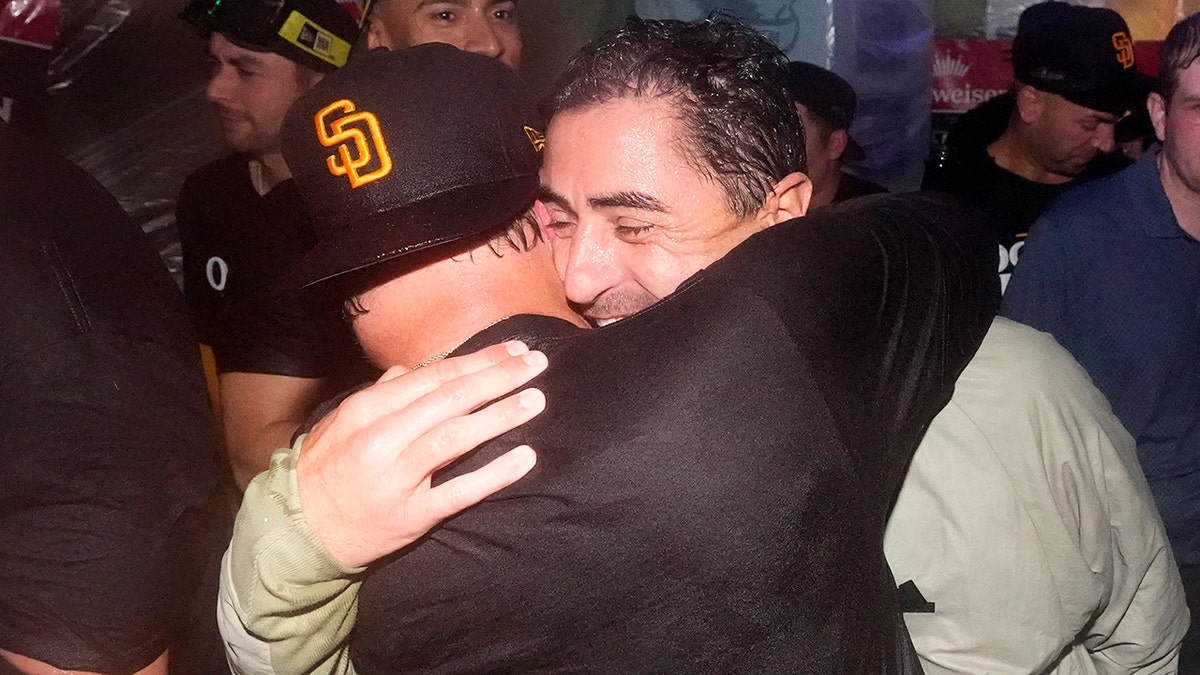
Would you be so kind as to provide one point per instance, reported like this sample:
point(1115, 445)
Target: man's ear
point(541, 216)
point(788, 199)
point(1030, 103)
point(838, 139)
point(1156, 105)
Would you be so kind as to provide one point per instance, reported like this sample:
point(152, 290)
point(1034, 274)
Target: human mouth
point(607, 320)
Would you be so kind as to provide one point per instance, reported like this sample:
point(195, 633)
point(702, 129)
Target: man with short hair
point(1112, 271)
point(1025, 484)
point(632, 546)
point(487, 27)
point(278, 353)
point(826, 104)
point(1075, 78)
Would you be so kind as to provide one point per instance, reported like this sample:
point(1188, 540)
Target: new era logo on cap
point(537, 138)
point(359, 142)
point(1084, 54)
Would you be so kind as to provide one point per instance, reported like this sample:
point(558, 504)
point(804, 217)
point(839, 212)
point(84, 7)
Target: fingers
point(462, 395)
point(453, 387)
point(453, 439)
point(469, 489)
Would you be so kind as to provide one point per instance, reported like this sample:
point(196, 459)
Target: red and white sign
point(29, 22)
point(969, 72)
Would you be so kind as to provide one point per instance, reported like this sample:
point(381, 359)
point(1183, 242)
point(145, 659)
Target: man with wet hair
point(631, 544)
point(1023, 422)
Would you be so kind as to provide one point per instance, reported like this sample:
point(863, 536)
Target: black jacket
point(714, 473)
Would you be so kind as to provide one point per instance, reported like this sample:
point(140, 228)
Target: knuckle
point(455, 392)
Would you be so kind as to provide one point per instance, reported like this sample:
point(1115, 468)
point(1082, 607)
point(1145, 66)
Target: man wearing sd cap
point(1075, 78)
point(242, 226)
point(1112, 271)
point(631, 546)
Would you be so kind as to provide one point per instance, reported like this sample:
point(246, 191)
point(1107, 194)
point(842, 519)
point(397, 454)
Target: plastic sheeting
point(884, 48)
point(122, 95)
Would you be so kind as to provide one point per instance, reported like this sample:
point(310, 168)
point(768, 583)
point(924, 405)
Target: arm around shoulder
point(286, 605)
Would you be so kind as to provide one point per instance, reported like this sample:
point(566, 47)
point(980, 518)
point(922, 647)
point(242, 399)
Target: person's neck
point(1185, 203)
point(506, 286)
point(824, 193)
point(1012, 154)
point(267, 171)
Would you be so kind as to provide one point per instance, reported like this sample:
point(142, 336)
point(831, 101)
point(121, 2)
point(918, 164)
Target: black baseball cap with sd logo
point(1084, 54)
point(404, 150)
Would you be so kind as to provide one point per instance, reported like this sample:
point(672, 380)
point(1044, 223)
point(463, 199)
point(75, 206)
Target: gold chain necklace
point(438, 357)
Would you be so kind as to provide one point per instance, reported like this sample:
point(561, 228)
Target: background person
point(826, 105)
point(278, 353)
point(1112, 272)
point(487, 27)
point(1075, 78)
point(109, 453)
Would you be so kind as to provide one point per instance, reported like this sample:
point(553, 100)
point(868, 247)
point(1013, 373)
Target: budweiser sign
point(969, 72)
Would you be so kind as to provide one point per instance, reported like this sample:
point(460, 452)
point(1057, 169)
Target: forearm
point(260, 413)
point(250, 453)
point(284, 600)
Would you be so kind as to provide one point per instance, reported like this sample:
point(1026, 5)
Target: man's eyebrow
point(426, 3)
point(549, 196)
point(627, 200)
point(241, 61)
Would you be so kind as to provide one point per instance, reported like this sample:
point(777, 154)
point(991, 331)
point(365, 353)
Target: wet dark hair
point(1179, 50)
point(727, 82)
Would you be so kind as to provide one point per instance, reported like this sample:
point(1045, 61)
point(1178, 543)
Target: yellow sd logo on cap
point(359, 142)
point(1124, 47)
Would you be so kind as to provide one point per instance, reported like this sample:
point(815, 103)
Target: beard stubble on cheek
point(618, 304)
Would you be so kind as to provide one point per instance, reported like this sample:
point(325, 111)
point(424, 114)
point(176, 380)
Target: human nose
point(482, 38)
point(591, 267)
point(219, 85)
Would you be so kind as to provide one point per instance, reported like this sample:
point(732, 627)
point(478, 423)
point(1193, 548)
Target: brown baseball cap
point(403, 150)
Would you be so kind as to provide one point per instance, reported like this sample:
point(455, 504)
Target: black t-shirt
point(107, 446)
point(851, 187)
point(714, 473)
point(238, 247)
point(1011, 202)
